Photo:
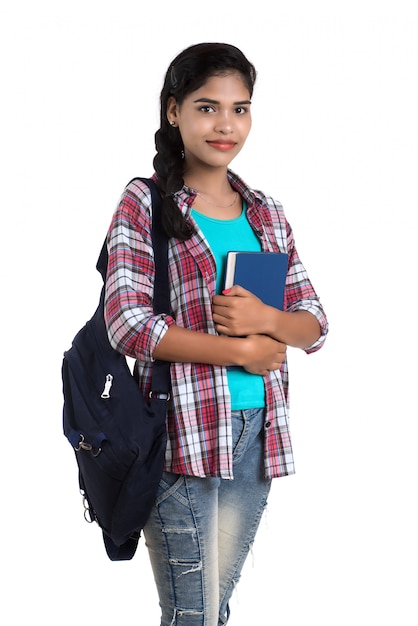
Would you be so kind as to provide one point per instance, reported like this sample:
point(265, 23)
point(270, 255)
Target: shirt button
point(268, 424)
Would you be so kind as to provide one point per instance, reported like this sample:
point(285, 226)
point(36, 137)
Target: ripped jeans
point(201, 529)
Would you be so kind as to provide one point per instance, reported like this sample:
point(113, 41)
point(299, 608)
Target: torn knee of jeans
point(179, 613)
point(179, 530)
point(183, 541)
point(182, 612)
point(186, 566)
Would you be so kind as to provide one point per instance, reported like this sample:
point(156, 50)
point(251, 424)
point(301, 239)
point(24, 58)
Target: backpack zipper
point(107, 387)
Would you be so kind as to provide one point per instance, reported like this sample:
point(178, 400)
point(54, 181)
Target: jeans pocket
point(246, 428)
point(239, 434)
point(170, 485)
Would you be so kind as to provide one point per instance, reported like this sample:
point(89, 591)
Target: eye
point(206, 108)
point(241, 110)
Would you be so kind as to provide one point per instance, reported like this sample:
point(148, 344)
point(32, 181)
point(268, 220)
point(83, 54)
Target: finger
point(222, 321)
point(222, 305)
point(237, 290)
point(219, 300)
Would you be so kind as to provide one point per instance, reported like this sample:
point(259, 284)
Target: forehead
point(229, 86)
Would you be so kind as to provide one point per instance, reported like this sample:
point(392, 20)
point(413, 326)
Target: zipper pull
point(108, 385)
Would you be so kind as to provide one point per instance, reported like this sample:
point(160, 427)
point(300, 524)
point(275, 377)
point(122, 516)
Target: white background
point(335, 140)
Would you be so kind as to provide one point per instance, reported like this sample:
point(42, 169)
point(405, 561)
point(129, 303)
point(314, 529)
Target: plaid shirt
point(198, 423)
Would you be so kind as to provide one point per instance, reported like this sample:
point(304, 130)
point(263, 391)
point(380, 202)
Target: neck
point(215, 196)
point(214, 182)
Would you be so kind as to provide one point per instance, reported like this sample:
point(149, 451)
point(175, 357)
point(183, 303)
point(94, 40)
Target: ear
point(172, 109)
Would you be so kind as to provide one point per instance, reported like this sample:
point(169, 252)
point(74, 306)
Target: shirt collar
point(186, 196)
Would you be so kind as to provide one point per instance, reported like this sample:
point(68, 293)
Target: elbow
point(321, 336)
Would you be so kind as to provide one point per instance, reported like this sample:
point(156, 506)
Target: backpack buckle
point(89, 515)
point(157, 395)
point(83, 445)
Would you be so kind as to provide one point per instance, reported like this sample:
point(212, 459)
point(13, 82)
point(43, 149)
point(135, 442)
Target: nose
point(224, 123)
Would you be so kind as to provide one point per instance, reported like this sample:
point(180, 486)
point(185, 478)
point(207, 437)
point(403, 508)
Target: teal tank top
point(247, 390)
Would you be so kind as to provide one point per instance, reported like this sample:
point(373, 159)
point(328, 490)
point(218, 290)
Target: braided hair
point(187, 73)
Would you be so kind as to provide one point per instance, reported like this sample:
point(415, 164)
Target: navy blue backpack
point(119, 437)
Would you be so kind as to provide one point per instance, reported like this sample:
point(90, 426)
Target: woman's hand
point(239, 313)
point(263, 354)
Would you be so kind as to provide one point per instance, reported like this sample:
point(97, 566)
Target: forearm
point(299, 329)
point(258, 354)
point(187, 346)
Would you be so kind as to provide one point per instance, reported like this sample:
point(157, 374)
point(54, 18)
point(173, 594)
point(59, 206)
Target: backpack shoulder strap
point(160, 246)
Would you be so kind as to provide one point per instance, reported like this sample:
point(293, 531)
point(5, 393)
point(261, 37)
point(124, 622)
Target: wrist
point(238, 350)
point(272, 322)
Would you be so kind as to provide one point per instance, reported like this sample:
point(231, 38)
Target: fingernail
point(226, 291)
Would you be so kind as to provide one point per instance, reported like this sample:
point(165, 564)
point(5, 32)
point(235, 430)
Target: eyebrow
point(210, 101)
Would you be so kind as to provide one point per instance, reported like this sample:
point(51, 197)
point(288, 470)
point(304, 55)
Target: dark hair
point(187, 73)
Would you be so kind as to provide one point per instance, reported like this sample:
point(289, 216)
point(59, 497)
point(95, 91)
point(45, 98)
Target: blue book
point(262, 273)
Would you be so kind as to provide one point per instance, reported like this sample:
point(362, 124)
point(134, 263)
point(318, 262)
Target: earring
point(172, 122)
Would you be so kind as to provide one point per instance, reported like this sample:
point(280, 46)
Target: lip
point(222, 145)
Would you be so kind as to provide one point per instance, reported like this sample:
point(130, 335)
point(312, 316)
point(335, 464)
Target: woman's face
point(214, 121)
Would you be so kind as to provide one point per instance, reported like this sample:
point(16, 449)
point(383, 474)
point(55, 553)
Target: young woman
point(228, 418)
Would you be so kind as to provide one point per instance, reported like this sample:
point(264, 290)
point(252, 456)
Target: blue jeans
point(201, 530)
